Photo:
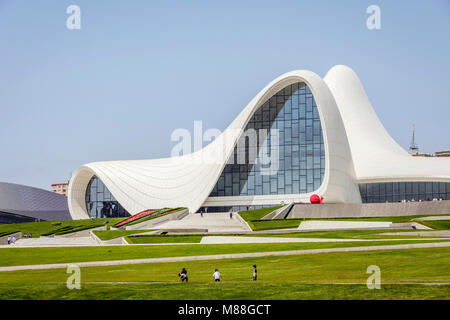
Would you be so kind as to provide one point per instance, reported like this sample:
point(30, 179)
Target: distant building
point(414, 149)
point(61, 188)
point(422, 154)
point(442, 153)
point(436, 154)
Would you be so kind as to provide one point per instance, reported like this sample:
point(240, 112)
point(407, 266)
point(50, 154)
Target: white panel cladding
point(376, 156)
point(187, 180)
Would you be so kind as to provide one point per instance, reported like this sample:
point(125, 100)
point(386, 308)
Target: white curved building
point(300, 135)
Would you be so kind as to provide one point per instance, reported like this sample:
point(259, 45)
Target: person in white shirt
point(217, 275)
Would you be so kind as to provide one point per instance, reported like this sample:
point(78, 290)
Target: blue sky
point(137, 70)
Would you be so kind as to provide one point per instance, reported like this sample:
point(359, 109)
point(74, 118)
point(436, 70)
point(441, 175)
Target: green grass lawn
point(39, 228)
point(316, 276)
point(252, 215)
point(164, 239)
point(344, 234)
point(29, 256)
point(338, 234)
point(275, 224)
point(112, 234)
point(253, 218)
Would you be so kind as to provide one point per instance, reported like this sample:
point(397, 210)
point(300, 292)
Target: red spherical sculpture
point(315, 199)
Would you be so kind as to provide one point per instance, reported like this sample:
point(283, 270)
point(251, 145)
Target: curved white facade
point(376, 156)
point(348, 123)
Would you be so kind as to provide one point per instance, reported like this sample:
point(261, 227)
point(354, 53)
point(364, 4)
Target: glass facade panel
point(100, 203)
point(404, 191)
point(293, 140)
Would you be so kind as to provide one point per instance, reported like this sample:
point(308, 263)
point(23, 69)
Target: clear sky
point(137, 70)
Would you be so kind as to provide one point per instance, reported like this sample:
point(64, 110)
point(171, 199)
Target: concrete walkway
point(56, 241)
point(243, 239)
point(226, 256)
point(310, 225)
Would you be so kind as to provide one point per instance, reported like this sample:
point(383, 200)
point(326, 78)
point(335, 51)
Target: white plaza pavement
point(336, 225)
point(56, 241)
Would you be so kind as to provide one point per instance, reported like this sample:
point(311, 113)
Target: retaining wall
point(338, 210)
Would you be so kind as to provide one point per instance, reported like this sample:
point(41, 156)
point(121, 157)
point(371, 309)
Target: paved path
point(311, 225)
point(56, 241)
point(226, 256)
point(243, 239)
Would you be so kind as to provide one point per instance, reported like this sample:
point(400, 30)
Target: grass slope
point(275, 224)
point(437, 224)
point(253, 215)
point(39, 228)
point(164, 239)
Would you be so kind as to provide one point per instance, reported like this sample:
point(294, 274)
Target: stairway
point(213, 222)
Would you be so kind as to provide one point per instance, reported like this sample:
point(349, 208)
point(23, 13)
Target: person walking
point(183, 275)
point(217, 275)
point(9, 240)
point(255, 272)
point(201, 213)
point(231, 214)
point(13, 240)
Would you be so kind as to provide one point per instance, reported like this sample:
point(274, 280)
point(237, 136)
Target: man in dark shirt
point(255, 272)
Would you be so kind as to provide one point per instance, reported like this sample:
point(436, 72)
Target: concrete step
point(213, 222)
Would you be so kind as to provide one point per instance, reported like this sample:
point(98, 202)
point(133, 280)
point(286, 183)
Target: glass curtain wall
point(297, 149)
point(409, 191)
point(100, 203)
